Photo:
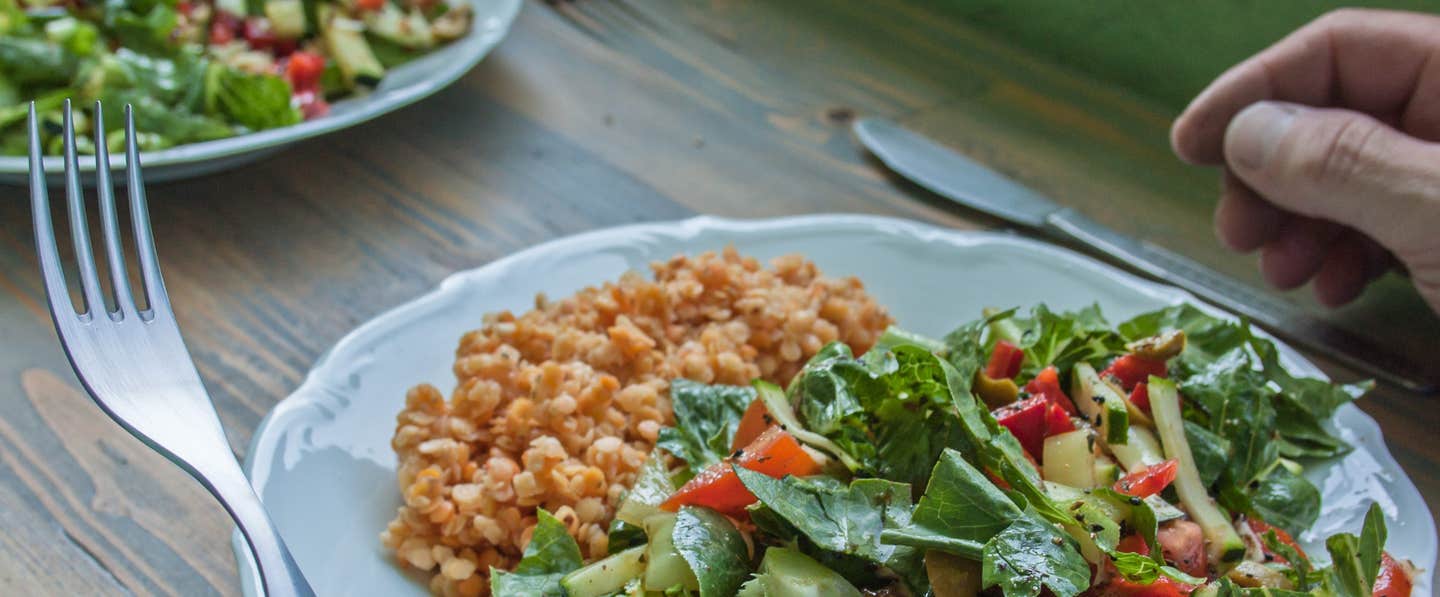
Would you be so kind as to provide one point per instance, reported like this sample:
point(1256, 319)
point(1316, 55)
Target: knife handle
point(1278, 316)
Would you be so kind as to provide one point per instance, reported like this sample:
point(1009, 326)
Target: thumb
point(1345, 167)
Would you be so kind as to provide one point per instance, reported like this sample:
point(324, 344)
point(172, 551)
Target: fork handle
point(279, 574)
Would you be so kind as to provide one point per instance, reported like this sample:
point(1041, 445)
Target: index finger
point(1372, 61)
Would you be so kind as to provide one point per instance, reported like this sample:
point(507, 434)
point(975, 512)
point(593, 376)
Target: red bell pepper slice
point(1005, 361)
point(1057, 421)
point(224, 27)
point(1132, 369)
point(1149, 480)
point(1026, 421)
point(1259, 527)
point(1140, 397)
point(1047, 384)
point(1394, 579)
point(753, 423)
point(774, 453)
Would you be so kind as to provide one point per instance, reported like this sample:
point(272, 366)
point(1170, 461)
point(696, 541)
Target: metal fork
point(132, 361)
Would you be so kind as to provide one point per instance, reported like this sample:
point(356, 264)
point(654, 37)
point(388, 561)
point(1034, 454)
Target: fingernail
point(1256, 131)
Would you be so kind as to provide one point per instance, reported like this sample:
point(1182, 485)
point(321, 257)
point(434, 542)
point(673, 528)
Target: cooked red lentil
point(559, 407)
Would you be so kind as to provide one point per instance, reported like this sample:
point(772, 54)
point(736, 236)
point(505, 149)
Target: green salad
point(198, 70)
point(1019, 455)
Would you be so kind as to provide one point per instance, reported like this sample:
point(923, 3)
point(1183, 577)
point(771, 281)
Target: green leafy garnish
point(551, 554)
point(705, 421)
point(713, 548)
point(1031, 555)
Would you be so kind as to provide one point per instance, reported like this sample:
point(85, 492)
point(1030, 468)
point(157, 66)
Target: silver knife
point(969, 183)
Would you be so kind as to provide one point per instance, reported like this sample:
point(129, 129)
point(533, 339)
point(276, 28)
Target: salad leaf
point(1319, 397)
point(829, 387)
point(1240, 408)
point(146, 29)
point(1144, 570)
point(1206, 337)
point(1031, 555)
point(960, 511)
point(551, 554)
point(177, 80)
point(623, 535)
point(79, 38)
point(1301, 435)
point(1299, 565)
point(1211, 451)
point(846, 520)
point(965, 352)
point(1286, 500)
point(258, 102)
point(13, 19)
point(886, 410)
point(1064, 339)
point(162, 120)
point(713, 548)
point(1356, 560)
point(35, 62)
point(706, 417)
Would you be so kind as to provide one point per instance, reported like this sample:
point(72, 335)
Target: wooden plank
point(142, 519)
point(39, 557)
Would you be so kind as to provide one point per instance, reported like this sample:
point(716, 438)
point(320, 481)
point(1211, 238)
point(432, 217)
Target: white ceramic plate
point(322, 460)
point(400, 87)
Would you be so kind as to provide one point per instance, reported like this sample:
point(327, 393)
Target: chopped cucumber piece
point(287, 18)
point(1002, 329)
point(238, 8)
point(606, 576)
point(1106, 471)
point(664, 566)
point(651, 488)
point(406, 29)
point(1140, 450)
point(1103, 404)
point(345, 39)
point(951, 575)
point(788, 573)
point(1224, 544)
point(1069, 459)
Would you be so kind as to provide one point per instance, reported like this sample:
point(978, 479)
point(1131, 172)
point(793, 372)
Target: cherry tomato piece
point(1132, 369)
point(1149, 480)
point(774, 453)
point(1047, 384)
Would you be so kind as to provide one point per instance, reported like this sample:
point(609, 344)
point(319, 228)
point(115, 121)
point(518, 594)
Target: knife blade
point(967, 182)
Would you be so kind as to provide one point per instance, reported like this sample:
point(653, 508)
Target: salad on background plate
point(200, 70)
point(1049, 453)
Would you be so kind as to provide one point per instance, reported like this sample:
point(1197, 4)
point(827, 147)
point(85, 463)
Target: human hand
point(1329, 143)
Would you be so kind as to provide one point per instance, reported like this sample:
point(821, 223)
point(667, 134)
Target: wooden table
point(591, 114)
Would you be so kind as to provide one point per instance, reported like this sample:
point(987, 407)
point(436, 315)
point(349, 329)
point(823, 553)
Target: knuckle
point(1347, 152)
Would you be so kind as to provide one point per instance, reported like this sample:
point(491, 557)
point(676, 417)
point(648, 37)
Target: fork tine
point(45, 249)
point(79, 227)
point(155, 294)
point(120, 281)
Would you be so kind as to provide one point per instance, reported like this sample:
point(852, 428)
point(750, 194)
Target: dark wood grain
point(591, 114)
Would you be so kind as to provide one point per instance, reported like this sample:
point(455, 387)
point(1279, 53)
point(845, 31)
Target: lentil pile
point(559, 407)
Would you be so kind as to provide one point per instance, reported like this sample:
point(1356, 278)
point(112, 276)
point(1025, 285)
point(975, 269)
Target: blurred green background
point(1166, 50)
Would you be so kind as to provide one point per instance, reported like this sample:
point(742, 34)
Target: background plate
point(401, 87)
point(322, 461)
